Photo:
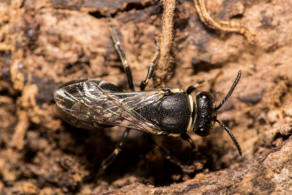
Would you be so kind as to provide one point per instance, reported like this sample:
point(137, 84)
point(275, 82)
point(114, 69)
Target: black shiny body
point(109, 87)
point(205, 114)
point(171, 113)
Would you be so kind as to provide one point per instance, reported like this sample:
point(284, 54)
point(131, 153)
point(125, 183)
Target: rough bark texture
point(46, 43)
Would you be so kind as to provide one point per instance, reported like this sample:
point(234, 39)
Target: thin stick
point(164, 63)
point(222, 25)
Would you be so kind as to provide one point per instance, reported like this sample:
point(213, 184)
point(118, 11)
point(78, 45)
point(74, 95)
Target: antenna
point(230, 91)
point(230, 134)
point(220, 105)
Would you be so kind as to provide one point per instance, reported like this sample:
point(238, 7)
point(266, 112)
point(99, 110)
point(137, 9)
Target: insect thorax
point(171, 113)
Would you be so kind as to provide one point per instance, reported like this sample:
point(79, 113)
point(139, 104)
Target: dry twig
point(217, 24)
point(163, 70)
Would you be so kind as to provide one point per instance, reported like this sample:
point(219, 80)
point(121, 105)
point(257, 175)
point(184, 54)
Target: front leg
point(185, 168)
point(151, 68)
point(122, 55)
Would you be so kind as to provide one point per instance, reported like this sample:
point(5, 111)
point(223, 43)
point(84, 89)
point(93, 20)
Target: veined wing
point(94, 103)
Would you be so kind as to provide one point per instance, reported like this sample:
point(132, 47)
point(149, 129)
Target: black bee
point(165, 111)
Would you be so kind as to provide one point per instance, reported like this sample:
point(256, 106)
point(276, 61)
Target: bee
point(165, 111)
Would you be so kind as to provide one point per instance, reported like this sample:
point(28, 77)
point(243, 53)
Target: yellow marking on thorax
point(176, 90)
point(190, 124)
point(191, 103)
point(174, 134)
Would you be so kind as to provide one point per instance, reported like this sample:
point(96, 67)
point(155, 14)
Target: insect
point(165, 111)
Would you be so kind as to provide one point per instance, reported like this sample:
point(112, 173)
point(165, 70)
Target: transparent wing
point(93, 103)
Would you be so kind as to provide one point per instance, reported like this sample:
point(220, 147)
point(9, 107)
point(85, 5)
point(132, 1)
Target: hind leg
point(106, 162)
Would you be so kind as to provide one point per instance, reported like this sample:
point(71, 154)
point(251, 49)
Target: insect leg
point(151, 68)
point(174, 160)
point(106, 162)
point(192, 88)
point(187, 138)
point(120, 51)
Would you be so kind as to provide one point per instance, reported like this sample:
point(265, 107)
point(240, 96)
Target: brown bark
point(46, 43)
